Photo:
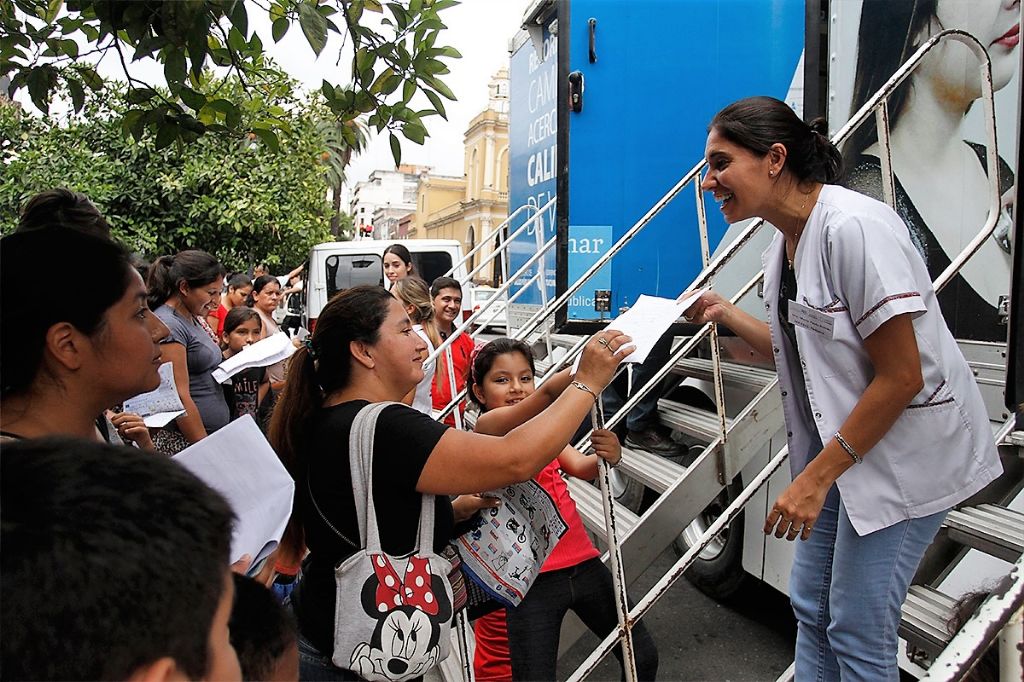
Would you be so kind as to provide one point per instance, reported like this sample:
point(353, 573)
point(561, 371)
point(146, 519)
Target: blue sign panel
point(533, 115)
point(587, 243)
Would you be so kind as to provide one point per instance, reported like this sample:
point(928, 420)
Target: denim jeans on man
point(534, 625)
point(847, 591)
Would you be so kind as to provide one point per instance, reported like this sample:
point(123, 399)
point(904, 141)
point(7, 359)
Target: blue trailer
point(609, 104)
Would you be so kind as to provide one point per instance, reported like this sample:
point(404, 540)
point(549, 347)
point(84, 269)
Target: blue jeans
point(847, 591)
point(534, 625)
point(315, 666)
point(644, 415)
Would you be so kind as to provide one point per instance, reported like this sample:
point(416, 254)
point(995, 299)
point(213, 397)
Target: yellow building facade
point(469, 209)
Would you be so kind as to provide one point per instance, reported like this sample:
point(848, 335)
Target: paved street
point(700, 639)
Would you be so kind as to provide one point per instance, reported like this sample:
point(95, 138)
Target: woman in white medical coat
point(886, 427)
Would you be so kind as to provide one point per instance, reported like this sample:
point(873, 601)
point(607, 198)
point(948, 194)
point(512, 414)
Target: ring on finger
point(603, 341)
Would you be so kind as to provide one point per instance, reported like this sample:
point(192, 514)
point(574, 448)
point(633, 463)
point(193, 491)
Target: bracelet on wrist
point(617, 462)
point(583, 387)
point(857, 459)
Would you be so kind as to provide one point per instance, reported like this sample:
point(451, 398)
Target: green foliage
point(47, 45)
point(230, 195)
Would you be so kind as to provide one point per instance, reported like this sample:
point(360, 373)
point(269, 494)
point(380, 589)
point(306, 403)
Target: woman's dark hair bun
point(819, 125)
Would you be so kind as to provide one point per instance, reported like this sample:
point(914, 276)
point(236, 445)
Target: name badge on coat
point(811, 319)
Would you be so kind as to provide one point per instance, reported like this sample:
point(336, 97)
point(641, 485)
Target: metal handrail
point(684, 562)
point(486, 240)
point(504, 245)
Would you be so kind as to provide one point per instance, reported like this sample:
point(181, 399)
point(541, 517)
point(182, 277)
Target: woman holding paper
point(182, 289)
point(264, 297)
point(65, 359)
point(362, 351)
point(886, 427)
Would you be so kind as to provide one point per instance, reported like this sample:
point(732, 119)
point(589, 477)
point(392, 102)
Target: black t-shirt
point(787, 292)
point(243, 392)
point(403, 441)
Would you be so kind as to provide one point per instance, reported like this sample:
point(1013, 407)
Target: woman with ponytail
point(885, 424)
point(183, 289)
point(414, 294)
point(363, 351)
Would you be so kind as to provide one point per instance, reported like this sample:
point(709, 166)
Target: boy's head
point(114, 565)
point(263, 634)
point(242, 327)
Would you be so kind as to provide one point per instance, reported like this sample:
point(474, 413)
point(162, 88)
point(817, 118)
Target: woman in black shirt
point(362, 351)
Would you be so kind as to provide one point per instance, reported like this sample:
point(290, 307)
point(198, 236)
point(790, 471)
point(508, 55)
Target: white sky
point(479, 29)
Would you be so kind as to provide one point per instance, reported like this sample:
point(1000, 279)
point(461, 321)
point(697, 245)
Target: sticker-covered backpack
point(393, 615)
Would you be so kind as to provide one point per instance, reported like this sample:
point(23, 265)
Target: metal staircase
point(736, 438)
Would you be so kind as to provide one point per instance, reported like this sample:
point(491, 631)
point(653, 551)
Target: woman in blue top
point(183, 289)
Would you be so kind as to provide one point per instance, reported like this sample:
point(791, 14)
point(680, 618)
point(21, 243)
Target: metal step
point(1015, 438)
point(693, 421)
point(990, 528)
point(654, 471)
point(926, 614)
point(734, 374)
point(566, 341)
point(588, 504)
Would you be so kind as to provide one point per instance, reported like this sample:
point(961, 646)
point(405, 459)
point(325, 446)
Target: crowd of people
point(115, 559)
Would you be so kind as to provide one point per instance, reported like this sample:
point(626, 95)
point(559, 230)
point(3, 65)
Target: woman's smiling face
point(736, 177)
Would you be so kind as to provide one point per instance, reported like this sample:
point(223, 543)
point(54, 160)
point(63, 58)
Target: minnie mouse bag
point(393, 615)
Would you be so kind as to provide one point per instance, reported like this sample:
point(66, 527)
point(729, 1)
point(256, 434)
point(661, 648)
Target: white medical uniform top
point(855, 263)
point(421, 401)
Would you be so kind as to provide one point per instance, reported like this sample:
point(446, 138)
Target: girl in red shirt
point(522, 643)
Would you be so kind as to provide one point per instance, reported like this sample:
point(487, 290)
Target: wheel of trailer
point(628, 491)
point(718, 570)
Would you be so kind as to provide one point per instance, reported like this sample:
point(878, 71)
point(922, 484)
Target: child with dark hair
point(248, 388)
point(522, 643)
point(263, 634)
point(114, 566)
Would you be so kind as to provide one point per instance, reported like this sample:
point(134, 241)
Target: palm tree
point(341, 142)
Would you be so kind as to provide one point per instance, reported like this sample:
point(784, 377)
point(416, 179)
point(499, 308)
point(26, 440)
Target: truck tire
point(628, 491)
point(718, 571)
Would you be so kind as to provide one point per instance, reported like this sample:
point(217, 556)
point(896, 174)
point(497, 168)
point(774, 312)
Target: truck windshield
point(431, 264)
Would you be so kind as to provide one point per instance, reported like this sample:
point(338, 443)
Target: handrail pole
point(485, 240)
point(683, 349)
point(684, 562)
point(885, 153)
point(506, 244)
point(716, 353)
point(501, 290)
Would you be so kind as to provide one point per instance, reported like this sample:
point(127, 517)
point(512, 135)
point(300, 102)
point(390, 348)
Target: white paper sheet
point(646, 321)
point(238, 462)
point(161, 419)
point(158, 407)
point(264, 353)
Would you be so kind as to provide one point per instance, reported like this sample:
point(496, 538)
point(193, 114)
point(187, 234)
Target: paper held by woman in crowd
point(161, 405)
point(270, 350)
point(238, 462)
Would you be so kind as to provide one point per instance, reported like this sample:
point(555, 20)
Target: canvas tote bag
point(393, 615)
